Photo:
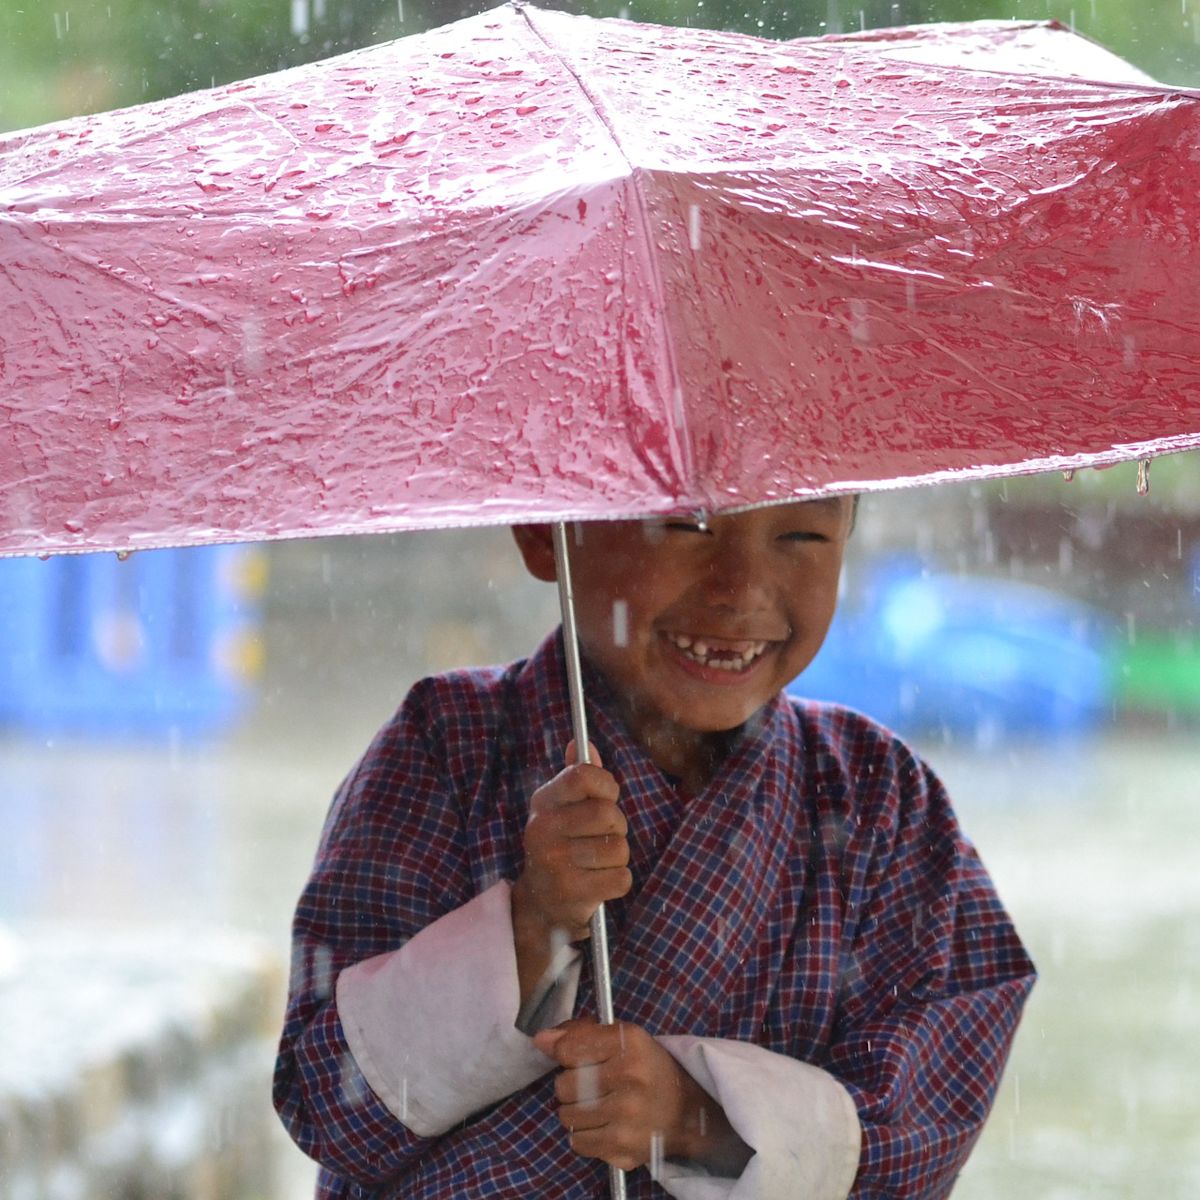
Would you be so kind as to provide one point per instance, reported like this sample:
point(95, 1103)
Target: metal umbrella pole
point(601, 974)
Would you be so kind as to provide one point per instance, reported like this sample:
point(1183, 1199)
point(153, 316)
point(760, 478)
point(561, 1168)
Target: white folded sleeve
point(799, 1121)
point(432, 1024)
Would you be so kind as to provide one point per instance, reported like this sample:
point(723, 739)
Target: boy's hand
point(576, 857)
point(624, 1099)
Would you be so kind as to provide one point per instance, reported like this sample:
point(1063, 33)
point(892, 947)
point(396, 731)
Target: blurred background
point(173, 726)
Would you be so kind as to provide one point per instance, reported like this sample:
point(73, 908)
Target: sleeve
point(373, 1061)
point(933, 979)
point(434, 1026)
point(798, 1119)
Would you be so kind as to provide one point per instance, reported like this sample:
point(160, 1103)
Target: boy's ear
point(536, 544)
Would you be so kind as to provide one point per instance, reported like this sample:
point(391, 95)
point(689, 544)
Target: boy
point(815, 983)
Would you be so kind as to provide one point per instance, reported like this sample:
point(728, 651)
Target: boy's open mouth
point(720, 654)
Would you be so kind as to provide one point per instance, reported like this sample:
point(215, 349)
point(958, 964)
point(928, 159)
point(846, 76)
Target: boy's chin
point(717, 724)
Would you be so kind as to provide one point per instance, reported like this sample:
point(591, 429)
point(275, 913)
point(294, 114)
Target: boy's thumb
point(573, 754)
point(546, 1039)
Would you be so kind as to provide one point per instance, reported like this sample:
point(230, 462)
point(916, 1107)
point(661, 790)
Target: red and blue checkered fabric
point(818, 899)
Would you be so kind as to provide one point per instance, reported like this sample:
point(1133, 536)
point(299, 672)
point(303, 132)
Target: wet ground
point(1093, 843)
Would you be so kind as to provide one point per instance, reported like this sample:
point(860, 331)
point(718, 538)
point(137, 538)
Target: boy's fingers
point(579, 1088)
point(585, 1115)
point(599, 853)
point(574, 785)
point(549, 1041)
point(600, 1144)
point(588, 818)
point(584, 1043)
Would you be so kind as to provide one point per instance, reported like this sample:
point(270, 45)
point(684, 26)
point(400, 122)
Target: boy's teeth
point(700, 651)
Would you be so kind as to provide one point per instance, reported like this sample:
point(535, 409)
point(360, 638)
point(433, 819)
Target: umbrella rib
point(676, 418)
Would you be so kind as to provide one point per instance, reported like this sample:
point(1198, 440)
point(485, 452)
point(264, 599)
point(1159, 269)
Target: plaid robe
point(818, 899)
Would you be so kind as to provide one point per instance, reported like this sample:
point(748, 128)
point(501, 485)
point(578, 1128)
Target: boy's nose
point(733, 578)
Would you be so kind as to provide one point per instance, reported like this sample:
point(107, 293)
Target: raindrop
point(860, 322)
point(400, 10)
point(620, 614)
point(694, 226)
point(656, 1139)
point(1143, 477)
point(299, 18)
point(1069, 474)
point(123, 555)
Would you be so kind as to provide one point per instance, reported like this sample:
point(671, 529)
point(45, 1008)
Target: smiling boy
point(815, 983)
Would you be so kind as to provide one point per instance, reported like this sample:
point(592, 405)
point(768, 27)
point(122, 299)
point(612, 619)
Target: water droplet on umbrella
point(1143, 477)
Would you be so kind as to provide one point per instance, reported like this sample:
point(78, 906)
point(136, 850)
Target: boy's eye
point(803, 535)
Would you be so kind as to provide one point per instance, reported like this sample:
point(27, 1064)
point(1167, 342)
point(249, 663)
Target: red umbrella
point(531, 266)
point(536, 266)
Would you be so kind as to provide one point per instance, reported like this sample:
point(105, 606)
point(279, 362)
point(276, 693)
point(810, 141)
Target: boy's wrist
point(704, 1135)
point(532, 940)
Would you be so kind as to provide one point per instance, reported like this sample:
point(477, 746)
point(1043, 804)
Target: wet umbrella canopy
point(534, 266)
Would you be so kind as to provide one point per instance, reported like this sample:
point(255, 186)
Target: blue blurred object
point(167, 640)
point(986, 658)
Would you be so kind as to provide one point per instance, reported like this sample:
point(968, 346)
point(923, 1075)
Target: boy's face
point(698, 627)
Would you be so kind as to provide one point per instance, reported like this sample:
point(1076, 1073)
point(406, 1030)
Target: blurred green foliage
point(59, 60)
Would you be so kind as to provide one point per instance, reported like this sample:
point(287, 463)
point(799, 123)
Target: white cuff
point(432, 1024)
point(553, 1000)
point(799, 1121)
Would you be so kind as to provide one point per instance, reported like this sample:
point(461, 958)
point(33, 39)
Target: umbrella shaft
point(599, 930)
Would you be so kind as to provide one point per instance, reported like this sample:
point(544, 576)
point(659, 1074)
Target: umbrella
point(536, 267)
point(533, 266)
